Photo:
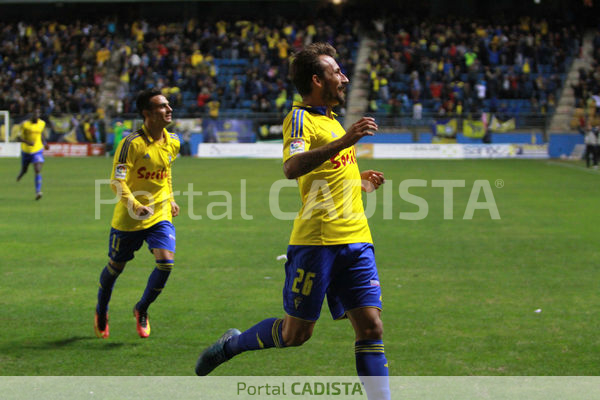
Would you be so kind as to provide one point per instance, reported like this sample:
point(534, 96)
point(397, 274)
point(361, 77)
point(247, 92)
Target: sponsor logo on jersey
point(297, 146)
point(344, 159)
point(120, 171)
point(143, 173)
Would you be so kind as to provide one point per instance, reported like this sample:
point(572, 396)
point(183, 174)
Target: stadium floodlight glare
point(336, 2)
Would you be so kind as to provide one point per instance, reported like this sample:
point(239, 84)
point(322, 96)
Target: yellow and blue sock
point(372, 367)
point(264, 335)
point(108, 276)
point(38, 183)
point(156, 283)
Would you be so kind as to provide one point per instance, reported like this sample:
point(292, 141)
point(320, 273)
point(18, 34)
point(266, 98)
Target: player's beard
point(335, 95)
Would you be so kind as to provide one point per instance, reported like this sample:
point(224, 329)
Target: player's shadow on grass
point(57, 344)
point(62, 343)
point(65, 343)
point(74, 340)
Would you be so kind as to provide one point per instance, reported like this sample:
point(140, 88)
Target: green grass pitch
point(460, 296)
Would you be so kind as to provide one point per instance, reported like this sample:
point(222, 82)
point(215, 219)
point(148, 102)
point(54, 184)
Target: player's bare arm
point(302, 163)
point(174, 209)
point(371, 180)
point(20, 139)
point(45, 141)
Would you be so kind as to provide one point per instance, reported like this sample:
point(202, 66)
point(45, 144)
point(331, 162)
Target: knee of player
point(372, 329)
point(296, 338)
point(117, 266)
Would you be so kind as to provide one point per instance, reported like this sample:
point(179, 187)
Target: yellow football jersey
point(32, 132)
point(332, 209)
point(145, 166)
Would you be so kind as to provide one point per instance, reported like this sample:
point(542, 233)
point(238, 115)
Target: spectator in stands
point(591, 144)
point(186, 136)
point(210, 131)
point(203, 98)
point(417, 111)
point(505, 57)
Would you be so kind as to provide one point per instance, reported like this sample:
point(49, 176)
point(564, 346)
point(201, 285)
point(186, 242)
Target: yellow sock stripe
point(369, 348)
point(260, 342)
point(111, 270)
point(275, 333)
point(165, 267)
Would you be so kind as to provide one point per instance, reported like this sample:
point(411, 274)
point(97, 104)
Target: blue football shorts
point(122, 245)
point(27, 158)
point(346, 273)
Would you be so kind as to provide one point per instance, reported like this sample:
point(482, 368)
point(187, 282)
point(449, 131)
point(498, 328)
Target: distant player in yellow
point(330, 251)
point(141, 176)
point(33, 144)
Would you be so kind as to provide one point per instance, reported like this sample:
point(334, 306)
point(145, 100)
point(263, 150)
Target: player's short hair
point(142, 102)
point(307, 63)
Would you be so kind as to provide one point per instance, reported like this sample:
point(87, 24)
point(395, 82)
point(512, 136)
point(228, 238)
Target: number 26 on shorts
point(307, 278)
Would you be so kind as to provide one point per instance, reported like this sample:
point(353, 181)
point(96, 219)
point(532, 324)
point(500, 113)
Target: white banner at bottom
point(386, 151)
point(298, 387)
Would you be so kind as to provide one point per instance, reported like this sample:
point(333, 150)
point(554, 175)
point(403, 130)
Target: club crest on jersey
point(120, 171)
point(297, 146)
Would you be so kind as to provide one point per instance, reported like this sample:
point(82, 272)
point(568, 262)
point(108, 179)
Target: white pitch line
point(584, 169)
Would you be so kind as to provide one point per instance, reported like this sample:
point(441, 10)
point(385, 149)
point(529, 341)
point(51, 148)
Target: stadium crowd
point(57, 66)
point(587, 90)
point(467, 66)
point(241, 65)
